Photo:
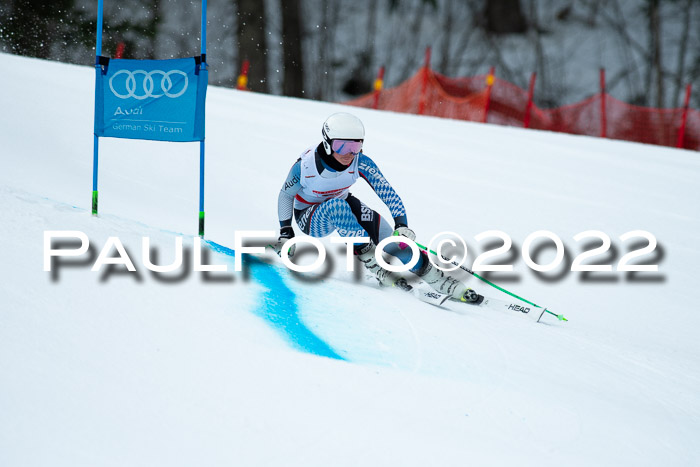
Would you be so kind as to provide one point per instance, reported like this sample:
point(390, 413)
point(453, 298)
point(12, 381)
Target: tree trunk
point(293, 84)
point(654, 79)
point(151, 27)
point(416, 27)
point(252, 43)
point(505, 17)
point(447, 38)
point(682, 48)
point(658, 66)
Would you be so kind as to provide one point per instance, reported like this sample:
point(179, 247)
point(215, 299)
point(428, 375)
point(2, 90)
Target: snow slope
point(266, 368)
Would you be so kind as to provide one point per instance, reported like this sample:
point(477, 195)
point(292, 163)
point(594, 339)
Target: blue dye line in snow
point(278, 306)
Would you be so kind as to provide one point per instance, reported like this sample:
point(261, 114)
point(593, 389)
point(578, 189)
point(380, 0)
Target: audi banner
point(151, 99)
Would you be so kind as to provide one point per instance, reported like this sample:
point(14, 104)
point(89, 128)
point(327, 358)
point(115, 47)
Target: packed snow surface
point(266, 367)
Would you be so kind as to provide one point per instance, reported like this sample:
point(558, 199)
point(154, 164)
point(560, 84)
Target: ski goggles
point(347, 146)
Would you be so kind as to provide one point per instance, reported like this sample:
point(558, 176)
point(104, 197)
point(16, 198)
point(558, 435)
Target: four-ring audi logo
point(128, 84)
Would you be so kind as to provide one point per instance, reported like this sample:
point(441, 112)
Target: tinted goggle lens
point(346, 146)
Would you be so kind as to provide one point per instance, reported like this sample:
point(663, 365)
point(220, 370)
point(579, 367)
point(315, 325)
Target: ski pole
point(464, 268)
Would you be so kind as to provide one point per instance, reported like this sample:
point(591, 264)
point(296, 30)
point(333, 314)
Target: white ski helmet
point(341, 125)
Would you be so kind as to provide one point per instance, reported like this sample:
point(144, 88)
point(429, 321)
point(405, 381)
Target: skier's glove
point(404, 231)
point(285, 234)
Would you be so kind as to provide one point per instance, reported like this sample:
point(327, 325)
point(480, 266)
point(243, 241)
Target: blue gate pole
point(96, 145)
point(201, 143)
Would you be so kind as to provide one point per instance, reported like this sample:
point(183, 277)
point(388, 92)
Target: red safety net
point(469, 98)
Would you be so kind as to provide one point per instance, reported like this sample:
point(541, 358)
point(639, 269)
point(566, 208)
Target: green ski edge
point(559, 317)
point(94, 202)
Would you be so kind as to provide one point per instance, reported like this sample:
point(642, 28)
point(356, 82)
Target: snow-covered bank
point(114, 370)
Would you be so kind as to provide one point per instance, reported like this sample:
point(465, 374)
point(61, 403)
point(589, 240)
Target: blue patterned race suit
point(319, 198)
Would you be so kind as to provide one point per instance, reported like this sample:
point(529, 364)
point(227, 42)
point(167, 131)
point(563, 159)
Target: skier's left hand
point(404, 231)
point(286, 233)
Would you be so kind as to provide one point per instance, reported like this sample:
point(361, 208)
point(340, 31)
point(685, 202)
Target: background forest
point(331, 50)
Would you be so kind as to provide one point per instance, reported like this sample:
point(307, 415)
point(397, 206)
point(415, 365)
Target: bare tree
point(325, 50)
point(416, 28)
point(465, 33)
point(32, 28)
point(682, 51)
point(447, 37)
point(293, 60)
point(504, 17)
point(654, 76)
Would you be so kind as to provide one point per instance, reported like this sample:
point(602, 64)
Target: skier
point(316, 192)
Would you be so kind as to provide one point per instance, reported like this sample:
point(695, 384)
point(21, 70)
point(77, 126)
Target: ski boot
point(470, 296)
point(446, 284)
point(365, 253)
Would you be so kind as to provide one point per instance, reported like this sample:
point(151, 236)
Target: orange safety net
point(469, 98)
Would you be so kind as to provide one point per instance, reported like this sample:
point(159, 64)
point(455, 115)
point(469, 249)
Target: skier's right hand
point(404, 231)
point(286, 233)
